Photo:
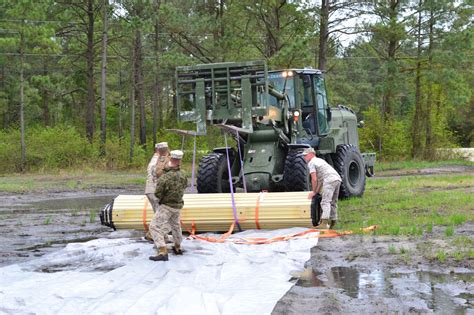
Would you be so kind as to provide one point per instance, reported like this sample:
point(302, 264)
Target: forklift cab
point(307, 94)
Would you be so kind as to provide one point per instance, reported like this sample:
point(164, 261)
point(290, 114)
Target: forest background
point(90, 83)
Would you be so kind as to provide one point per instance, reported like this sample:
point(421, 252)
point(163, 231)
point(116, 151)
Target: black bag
point(316, 210)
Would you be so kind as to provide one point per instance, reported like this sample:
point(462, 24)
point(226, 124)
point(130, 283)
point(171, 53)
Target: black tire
point(213, 175)
point(296, 173)
point(349, 164)
point(369, 171)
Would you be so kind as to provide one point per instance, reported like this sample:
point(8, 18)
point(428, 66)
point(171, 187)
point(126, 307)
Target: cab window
point(322, 105)
point(278, 82)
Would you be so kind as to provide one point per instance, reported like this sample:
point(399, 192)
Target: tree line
point(105, 68)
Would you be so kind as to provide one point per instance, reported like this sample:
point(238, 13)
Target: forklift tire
point(349, 164)
point(296, 173)
point(213, 176)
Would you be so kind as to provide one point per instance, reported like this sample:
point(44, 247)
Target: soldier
point(323, 174)
point(169, 191)
point(154, 170)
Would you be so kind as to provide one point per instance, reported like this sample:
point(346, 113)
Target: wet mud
point(32, 225)
point(358, 274)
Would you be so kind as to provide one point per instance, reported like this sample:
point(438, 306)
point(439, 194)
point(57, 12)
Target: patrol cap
point(161, 145)
point(308, 151)
point(176, 154)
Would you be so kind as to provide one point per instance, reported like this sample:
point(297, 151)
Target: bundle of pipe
point(214, 212)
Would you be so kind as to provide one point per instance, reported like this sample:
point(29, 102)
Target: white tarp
point(115, 276)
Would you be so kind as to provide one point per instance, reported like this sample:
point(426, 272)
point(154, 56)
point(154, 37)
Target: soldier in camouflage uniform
point(169, 191)
point(326, 177)
point(154, 170)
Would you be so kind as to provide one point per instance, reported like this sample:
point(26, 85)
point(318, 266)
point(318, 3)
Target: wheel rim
point(354, 173)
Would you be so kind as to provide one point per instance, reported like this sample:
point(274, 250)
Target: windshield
point(277, 80)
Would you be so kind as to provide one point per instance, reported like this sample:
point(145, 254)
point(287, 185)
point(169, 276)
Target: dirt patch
point(448, 169)
point(383, 274)
point(34, 224)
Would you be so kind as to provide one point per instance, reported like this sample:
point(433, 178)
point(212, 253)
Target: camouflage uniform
point(154, 171)
point(169, 190)
point(331, 181)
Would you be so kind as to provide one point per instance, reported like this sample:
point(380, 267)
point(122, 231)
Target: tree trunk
point(45, 97)
point(323, 34)
point(429, 100)
point(22, 104)
point(139, 85)
point(120, 126)
point(156, 90)
point(416, 141)
point(132, 106)
point(103, 116)
point(222, 29)
point(5, 113)
point(90, 113)
point(391, 64)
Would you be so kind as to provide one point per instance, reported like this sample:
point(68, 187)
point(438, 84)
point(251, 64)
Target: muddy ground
point(359, 274)
point(347, 275)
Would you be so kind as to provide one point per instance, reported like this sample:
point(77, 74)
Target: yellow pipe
point(213, 212)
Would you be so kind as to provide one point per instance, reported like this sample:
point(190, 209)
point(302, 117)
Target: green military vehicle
point(273, 116)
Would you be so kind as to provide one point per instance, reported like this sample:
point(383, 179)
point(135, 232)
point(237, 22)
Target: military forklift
point(272, 116)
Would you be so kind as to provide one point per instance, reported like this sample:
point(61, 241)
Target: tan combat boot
point(177, 249)
point(332, 224)
point(162, 255)
point(323, 225)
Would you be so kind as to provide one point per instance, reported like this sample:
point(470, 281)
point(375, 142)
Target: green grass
point(92, 216)
point(449, 231)
point(403, 250)
point(392, 250)
point(404, 205)
point(47, 221)
point(441, 256)
point(458, 219)
point(70, 181)
point(429, 228)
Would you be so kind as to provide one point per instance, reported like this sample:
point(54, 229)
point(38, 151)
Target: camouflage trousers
point(330, 194)
point(166, 219)
point(154, 202)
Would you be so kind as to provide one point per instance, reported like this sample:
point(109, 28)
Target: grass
point(449, 231)
point(404, 205)
point(92, 216)
point(70, 181)
point(403, 250)
point(429, 228)
point(441, 256)
point(392, 250)
point(47, 221)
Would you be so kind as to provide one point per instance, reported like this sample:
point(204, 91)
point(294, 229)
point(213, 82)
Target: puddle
point(50, 205)
point(444, 293)
point(31, 227)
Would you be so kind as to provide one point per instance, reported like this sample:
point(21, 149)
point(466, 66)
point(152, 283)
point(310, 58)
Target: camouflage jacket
point(170, 187)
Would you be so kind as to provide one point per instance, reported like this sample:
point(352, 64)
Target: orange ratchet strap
point(257, 207)
point(144, 214)
point(310, 233)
